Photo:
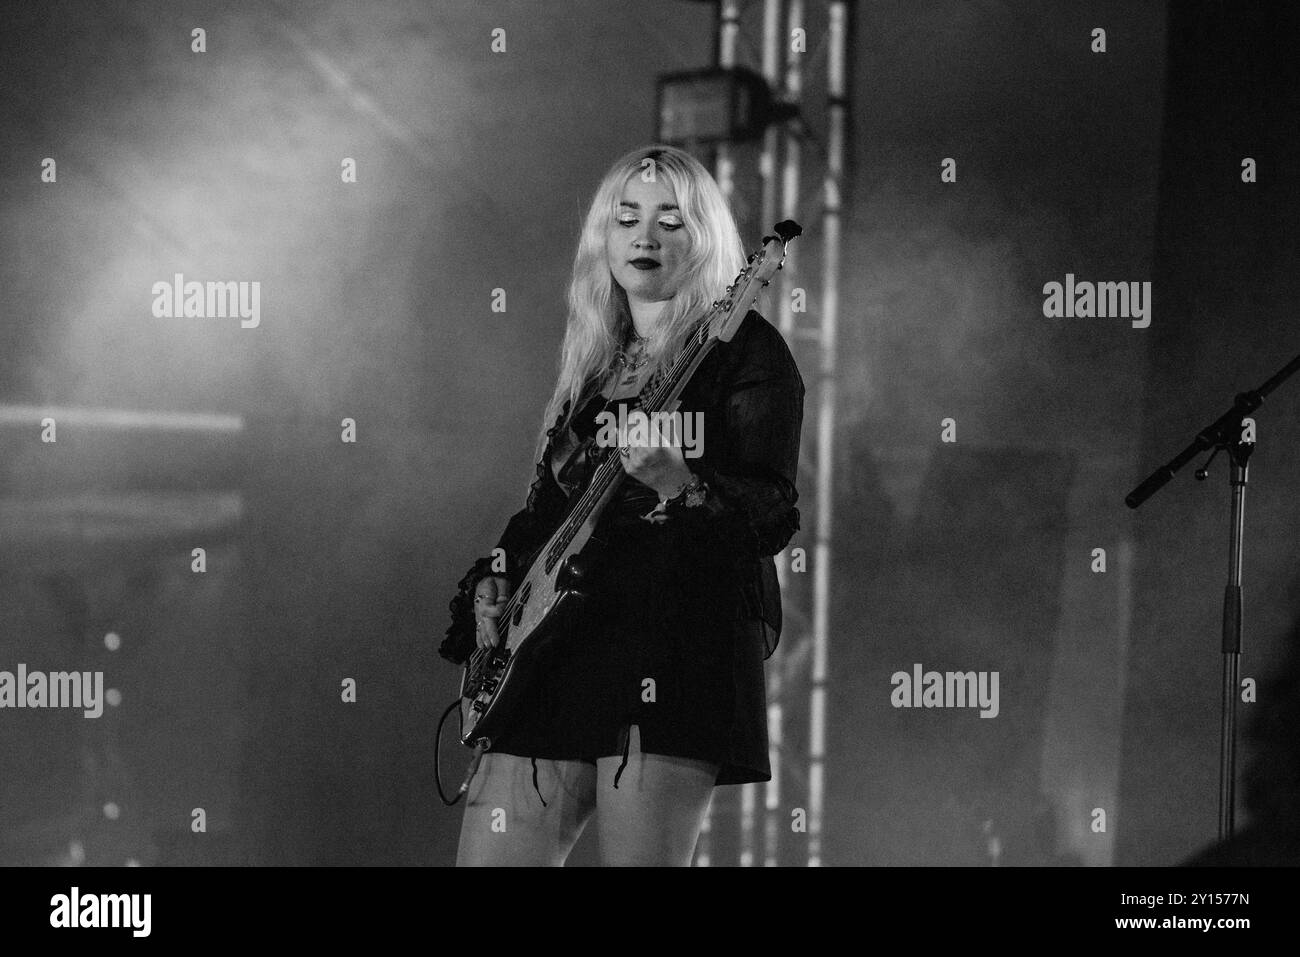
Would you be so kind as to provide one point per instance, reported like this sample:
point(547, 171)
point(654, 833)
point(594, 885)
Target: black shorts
point(687, 674)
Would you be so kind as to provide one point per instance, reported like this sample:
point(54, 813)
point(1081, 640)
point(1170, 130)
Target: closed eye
point(629, 223)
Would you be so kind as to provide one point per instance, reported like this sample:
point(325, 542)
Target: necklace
point(634, 356)
point(637, 359)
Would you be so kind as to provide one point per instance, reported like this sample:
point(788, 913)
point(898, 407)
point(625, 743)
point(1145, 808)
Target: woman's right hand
point(490, 596)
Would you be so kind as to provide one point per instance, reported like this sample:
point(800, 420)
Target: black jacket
point(751, 394)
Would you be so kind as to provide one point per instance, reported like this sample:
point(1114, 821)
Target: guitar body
point(537, 615)
point(537, 611)
point(490, 691)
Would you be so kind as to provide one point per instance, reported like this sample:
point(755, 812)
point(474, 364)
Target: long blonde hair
point(598, 312)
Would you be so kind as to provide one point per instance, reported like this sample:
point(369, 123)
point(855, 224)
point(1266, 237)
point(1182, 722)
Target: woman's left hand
point(658, 464)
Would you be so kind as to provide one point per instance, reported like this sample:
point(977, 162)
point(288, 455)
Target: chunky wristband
point(690, 495)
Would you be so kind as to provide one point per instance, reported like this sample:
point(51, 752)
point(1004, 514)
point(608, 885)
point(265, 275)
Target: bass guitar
point(495, 677)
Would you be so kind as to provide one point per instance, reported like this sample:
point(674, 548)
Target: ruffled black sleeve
point(750, 510)
point(459, 642)
point(527, 530)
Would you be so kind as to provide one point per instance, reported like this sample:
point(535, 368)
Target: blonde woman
point(656, 694)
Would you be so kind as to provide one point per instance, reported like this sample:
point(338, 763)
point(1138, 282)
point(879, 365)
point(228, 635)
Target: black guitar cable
point(437, 758)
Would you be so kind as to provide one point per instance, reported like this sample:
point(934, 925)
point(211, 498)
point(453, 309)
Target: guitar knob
point(573, 574)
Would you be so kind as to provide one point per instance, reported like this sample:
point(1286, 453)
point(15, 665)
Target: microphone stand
point(1227, 433)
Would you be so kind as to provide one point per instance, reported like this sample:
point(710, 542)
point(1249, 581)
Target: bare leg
point(653, 818)
point(505, 823)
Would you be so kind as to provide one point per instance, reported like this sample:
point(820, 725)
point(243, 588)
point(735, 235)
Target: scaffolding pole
point(801, 662)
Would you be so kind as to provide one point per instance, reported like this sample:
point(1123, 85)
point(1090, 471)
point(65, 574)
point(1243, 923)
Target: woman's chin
point(647, 289)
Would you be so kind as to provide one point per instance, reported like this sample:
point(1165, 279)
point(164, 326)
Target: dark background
point(329, 560)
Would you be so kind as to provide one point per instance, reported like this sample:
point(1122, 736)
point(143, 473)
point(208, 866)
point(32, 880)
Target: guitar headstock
point(760, 267)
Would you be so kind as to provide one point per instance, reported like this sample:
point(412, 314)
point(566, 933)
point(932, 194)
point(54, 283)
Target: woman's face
point(646, 243)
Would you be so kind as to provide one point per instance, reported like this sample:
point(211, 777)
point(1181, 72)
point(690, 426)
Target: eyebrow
point(663, 206)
